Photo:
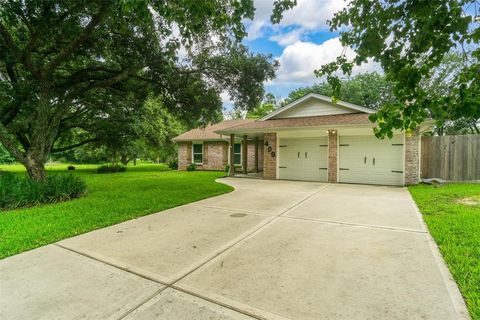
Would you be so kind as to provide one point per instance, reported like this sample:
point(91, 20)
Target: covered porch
point(246, 155)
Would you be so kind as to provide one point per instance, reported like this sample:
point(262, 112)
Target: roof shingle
point(317, 121)
point(208, 133)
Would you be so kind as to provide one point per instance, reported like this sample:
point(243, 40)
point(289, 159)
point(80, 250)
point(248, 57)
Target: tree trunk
point(35, 168)
point(124, 160)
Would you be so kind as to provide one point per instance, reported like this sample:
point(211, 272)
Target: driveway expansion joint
point(165, 284)
point(357, 225)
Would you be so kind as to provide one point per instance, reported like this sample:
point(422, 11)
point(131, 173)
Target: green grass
point(456, 229)
point(110, 199)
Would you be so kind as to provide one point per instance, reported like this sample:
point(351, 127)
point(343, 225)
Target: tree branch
point(73, 145)
point(9, 41)
point(94, 22)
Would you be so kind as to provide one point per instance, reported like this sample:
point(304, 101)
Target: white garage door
point(303, 159)
point(366, 159)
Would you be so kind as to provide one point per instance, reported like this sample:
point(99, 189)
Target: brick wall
point(332, 156)
point(251, 156)
point(412, 158)
point(184, 155)
point(269, 162)
point(215, 155)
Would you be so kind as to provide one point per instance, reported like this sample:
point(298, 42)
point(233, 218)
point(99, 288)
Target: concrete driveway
point(268, 250)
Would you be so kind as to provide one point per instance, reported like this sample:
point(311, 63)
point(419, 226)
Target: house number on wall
point(272, 153)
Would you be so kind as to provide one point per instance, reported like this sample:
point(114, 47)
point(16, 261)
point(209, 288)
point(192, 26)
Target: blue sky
point(302, 42)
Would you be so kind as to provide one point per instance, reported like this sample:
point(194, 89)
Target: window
point(237, 154)
point(197, 151)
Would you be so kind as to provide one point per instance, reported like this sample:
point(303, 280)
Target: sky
point(302, 42)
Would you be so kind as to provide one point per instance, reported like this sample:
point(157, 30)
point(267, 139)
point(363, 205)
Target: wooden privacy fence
point(453, 158)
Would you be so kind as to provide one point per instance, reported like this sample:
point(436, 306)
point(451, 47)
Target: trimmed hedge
point(111, 168)
point(17, 191)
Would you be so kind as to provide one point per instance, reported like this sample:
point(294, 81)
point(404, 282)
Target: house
point(210, 150)
point(310, 139)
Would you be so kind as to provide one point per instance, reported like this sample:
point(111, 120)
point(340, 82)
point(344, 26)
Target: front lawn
point(111, 198)
point(452, 213)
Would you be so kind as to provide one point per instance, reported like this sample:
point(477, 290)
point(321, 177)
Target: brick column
point(269, 159)
point(332, 155)
point(412, 157)
point(184, 155)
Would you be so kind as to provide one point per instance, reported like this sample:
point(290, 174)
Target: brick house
point(310, 139)
point(210, 150)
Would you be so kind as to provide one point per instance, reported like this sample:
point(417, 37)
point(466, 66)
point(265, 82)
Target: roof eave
point(272, 129)
point(320, 97)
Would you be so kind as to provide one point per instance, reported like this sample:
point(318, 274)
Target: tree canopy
point(76, 71)
point(268, 105)
point(409, 39)
point(370, 90)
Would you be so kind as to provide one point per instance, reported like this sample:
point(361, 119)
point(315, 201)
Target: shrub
point(173, 164)
point(192, 167)
point(17, 191)
point(227, 168)
point(71, 168)
point(111, 168)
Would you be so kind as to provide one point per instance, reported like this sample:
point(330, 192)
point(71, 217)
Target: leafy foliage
point(16, 191)
point(268, 105)
point(5, 156)
point(410, 39)
point(370, 90)
point(173, 164)
point(192, 167)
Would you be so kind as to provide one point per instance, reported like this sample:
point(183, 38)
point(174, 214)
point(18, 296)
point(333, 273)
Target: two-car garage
point(360, 159)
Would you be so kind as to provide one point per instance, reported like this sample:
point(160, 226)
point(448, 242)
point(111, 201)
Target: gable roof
point(208, 133)
point(297, 102)
point(302, 122)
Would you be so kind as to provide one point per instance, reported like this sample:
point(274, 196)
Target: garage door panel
point(370, 160)
point(303, 159)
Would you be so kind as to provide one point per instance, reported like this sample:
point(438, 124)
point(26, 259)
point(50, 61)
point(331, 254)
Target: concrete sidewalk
point(268, 250)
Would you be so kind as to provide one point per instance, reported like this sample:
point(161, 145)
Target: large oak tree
point(77, 71)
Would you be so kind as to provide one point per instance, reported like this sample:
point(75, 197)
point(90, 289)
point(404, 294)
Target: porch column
point(244, 154)
point(332, 155)
point(231, 166)
point(256, 154)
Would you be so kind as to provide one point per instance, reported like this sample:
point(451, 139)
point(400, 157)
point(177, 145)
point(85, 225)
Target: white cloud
point(225, 96)
point(288, 38)
point(312, 14)
point(299, 60)
point(307, 15)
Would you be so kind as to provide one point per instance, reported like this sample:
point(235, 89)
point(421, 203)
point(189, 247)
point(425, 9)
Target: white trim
point(277, 156)
point(338, 157)
point(193, 154)
point(319, 97)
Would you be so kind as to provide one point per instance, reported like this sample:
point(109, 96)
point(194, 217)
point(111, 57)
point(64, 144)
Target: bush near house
point(192, 167)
